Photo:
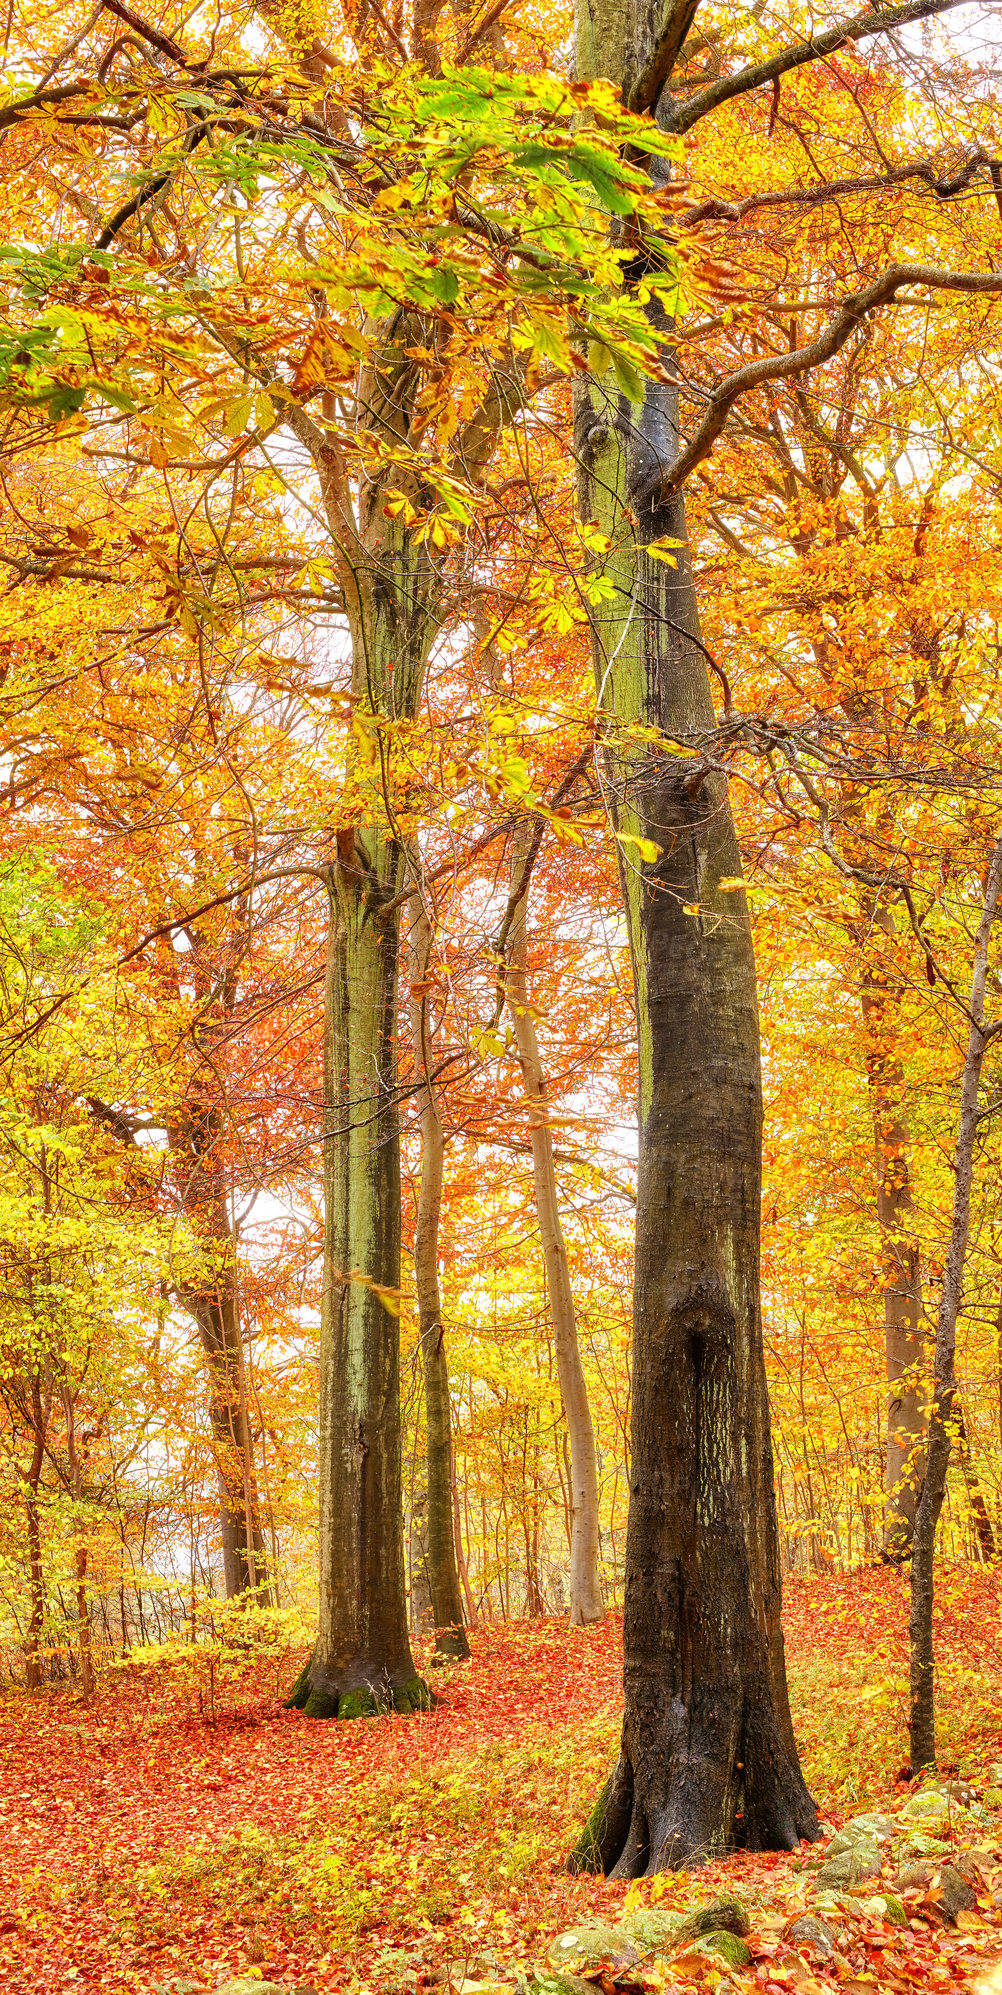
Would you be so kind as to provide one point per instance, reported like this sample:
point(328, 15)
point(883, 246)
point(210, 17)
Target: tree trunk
point(586, 1602)
point(979, 1509)
point(83, 1623)
point(942, 1410)
point(904, 1464)
point(214, 1308)
point(708, 1756)
point(33, 1672)
point(443, 1575)
point(362, 1661)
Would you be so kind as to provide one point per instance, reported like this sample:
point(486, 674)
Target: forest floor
point(145, 1848)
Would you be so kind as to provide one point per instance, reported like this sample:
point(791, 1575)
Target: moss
point(727, 1946)
point(299, 1694)
point(415, 1696)
point(587, 1852)
point(355, 1704)
point(320, 1705)
point(725, 1914)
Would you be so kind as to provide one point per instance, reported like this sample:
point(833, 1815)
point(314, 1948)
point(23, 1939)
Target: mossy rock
point(885, 1906)
point(651, 1930)
point(725, 1946)
point(558, 1983)
point(723, 1915)
point(808, 1931)
point(593, 1946)
point(849, 1867)
point(929, 1806)
point(243, 1985)
point(872, 1828)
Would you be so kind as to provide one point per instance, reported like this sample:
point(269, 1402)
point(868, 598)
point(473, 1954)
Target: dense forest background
point(181, 737)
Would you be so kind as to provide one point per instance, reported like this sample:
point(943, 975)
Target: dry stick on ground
point(941, 1411)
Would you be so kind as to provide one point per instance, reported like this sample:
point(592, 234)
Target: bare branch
point(682, 116)
point(659, 485)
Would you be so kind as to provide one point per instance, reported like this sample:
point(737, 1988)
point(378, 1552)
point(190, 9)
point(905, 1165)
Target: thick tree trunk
point(943, 1412)
point(905, 1458)
point(362, 1661)
point(586, 1602)
point(441, 1565)
point(707, 1756)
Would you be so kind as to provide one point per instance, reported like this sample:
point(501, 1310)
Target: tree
point(943, 1411)
point(707, 1750)
point(586, 1603)
point(440, 1563)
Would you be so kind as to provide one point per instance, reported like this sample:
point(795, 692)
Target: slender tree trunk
point(83, 1623)
point(214, 1308)
point(943, 1409)
point(442, 1569)
point(36, 1578)
point(707, 1755)
point(979, 1508)
point(461, 1560)
point(586, 1602)
point(905, 1460)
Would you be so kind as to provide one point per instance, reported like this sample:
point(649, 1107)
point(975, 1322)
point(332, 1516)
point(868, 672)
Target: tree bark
point(451, 1643)
point(904, 1462)
point(942, 1412)
point(707, 1757)
point(362, 1660)
point(586, 1602)
point(33, 1673)
point(197, 1137)
point(83, 1623)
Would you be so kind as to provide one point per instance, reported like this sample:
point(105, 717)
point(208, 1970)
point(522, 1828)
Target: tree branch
point(647, 87)
point(661, 483)
point(681, 117)
point(833, 190)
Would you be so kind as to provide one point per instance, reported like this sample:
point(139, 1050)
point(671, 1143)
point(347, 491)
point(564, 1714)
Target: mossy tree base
point(660, 1817)
point(360, 1690)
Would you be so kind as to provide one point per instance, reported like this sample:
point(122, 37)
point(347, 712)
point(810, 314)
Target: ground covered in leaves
point(180, 1833)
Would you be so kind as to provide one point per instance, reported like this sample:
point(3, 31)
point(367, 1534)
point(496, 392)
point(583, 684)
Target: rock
point(810, 1932)
point(652, 1931)
point(929, 1806)
point(559, 1984)
point(960, 1790)
point(914, 1877)
point(722, 1915)
point(872, 1828)
point(593, 1946)
point(887, 1908)
point(243, 1985)
point(850, 1867)
point(724, 1945)
point(954, 1894)
point(971, 1864)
